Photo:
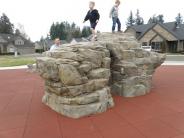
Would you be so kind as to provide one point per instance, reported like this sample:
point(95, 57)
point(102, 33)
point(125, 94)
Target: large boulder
point(132, 67)
point(76, 79)
point(80, 78)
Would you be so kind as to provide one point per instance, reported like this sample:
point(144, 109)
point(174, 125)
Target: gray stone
point(99, 73)
point(69, 75)
point(78, 107)
point(85, 68)
point(78, 77)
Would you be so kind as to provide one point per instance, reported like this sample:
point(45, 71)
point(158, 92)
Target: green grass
point(10, 61)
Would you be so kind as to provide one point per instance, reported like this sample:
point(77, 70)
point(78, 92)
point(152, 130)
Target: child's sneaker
point(94, 38)
point(120, 31)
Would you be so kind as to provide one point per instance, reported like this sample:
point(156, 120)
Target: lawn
point(10, 61)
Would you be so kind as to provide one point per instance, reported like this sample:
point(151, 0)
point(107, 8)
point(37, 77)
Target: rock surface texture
point(79, 78)
point(131, 66)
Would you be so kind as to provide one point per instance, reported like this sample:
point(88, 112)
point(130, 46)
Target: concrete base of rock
point(80, 106)
point(78, 77)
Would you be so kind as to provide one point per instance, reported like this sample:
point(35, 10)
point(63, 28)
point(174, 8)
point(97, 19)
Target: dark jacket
point(92, 16)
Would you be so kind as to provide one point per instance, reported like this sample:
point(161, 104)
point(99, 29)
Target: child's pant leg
point(114, 20)
point(119, 24)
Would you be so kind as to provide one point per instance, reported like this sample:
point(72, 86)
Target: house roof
point(177, 32)
point(170, 27)
point(7, 37)
point(10, 38)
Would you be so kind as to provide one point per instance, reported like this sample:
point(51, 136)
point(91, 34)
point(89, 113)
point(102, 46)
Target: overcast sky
point(38, 15)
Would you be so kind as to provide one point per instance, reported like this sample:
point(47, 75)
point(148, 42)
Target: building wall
point(148, 36)
point(164, 33)
point(131, 31)
point(180, 47)
point(26, 50)
point(19, 42)
point(1, 48)
point(157, 39)
point(10, 48)
point(2, 40)
point(37, 46)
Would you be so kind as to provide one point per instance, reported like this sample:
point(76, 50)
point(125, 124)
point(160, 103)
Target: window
point(156, 46)
point(19, 42)
point(144, 44)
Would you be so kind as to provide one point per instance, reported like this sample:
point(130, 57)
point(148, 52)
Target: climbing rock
point(131, 66)
point(76, 79)
point(80, 78)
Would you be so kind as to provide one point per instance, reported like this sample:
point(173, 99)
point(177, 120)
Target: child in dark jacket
point(93, 16)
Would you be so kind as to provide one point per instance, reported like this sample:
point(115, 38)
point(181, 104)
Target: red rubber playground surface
point(159, 114)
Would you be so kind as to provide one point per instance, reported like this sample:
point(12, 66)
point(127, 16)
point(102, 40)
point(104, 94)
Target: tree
point(22, 31)
point(139, 20)
point(64, 31)
point(52, 31)
point(5, 25)
point(179, 19)
point(160, 18)
point(76, 33)
point(86, 32)
point(17, 32)
point(156, 19)
point(152, 19)
point(130, 20)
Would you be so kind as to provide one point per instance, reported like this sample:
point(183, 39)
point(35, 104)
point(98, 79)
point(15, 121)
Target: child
point(93, 16)
point(115, 16)
point(56, 45)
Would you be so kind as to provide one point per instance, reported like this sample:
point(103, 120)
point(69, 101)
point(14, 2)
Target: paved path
point(171, 63)
point(15, 67)
point(159, 114)
point(168, 63)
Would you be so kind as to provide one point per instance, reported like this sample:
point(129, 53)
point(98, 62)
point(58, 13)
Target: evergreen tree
point(139, 20)
point(5, 25)
point(152, 20)
point(52, 31)
point(86, 32)
point(160, 18)
point(22, 31)
point(64, 31)
point(17, 32)
point(130, 20)
point(179, 19)
point(156, 19)
point(76, 33)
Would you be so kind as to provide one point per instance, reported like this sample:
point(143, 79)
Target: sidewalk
point(167, 63)
point(15, 67)
point(175, 63)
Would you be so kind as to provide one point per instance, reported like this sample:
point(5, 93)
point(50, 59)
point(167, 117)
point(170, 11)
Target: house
point(163, 37)
point(44, 45)
point(77, 40)
point(10, 43)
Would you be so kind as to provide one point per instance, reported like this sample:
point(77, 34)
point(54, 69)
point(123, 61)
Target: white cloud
point(38, 15)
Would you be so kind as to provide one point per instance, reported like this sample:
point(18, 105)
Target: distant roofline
point(154, 24)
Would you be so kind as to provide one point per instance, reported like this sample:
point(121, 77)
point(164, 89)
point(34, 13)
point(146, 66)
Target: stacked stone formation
point(132, 67)
point(76, 79)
